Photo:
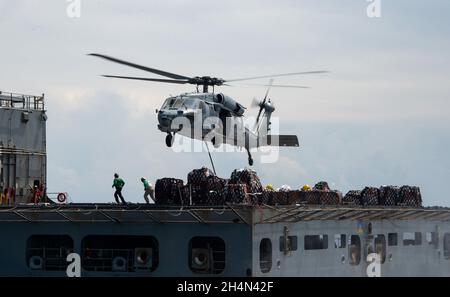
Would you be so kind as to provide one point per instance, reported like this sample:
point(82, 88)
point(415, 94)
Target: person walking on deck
point(118, 183)
point(148, 191)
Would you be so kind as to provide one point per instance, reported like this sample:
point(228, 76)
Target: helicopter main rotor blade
point(280, 86)
point(278, 75)
point(149, 79)
point(152, 70)
point(266, 85)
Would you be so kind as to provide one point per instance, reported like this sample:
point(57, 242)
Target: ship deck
point(228, 214)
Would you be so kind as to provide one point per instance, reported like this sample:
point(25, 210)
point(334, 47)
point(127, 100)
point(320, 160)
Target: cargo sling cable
point(210, 158)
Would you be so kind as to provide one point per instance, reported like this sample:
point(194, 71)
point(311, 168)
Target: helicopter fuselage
point(206, 116)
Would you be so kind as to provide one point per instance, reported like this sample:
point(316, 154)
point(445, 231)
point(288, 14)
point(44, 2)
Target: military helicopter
point(209, 105)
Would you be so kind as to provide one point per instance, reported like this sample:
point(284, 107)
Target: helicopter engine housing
point(230, 104)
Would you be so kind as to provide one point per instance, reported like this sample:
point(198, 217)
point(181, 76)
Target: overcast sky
point(380, 117)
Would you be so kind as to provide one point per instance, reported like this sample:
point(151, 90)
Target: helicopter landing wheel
point(169, 140)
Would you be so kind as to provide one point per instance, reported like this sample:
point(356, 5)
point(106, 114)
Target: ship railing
point(265, 264)
point(53, 258)
point(218, 265)
point(21, 101)
point(102, 259)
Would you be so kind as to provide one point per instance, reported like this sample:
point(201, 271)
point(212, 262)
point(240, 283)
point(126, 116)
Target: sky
point(379, 117)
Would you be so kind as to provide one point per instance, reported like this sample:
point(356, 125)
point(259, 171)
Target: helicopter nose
point(165, 122)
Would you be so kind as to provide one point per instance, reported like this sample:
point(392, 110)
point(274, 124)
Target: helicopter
point(210, 105)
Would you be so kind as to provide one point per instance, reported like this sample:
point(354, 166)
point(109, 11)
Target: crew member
point(118, 183)
point(306, 188)
point(148, 190)
point(36, 195)
point(43, 193)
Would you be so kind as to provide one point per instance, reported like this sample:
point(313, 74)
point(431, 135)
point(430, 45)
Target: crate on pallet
point(198, 194)
point(247, 177)
point(311, 197)
point(320, 197)
point(370, 196)
point(293, 197)
point(199, 176)
point(389, 195)
point(168, 191)
point(266, 197)
point(214, 198)
point(215, 183)
point(330, 198)
point(235, 193)
point(410, 196)
point(280, 197)
point(352, 198)
point(321, 186)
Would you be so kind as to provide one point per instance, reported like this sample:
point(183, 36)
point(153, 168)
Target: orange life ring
point(61, 197)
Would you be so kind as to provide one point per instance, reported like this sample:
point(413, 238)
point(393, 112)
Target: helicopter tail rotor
point(255, 102)
point(264, 105)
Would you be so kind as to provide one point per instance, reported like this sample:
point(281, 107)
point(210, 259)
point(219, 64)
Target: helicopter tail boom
point(280, 140)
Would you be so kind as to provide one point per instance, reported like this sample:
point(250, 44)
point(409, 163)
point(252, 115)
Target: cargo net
point(244, 187)
point(385, 195)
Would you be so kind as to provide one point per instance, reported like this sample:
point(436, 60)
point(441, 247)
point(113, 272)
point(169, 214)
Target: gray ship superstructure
point(23, 158)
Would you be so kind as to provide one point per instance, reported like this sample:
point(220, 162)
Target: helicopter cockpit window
point(173, 103)
point(168, 103)
point(190, 103)
point(177, 104)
